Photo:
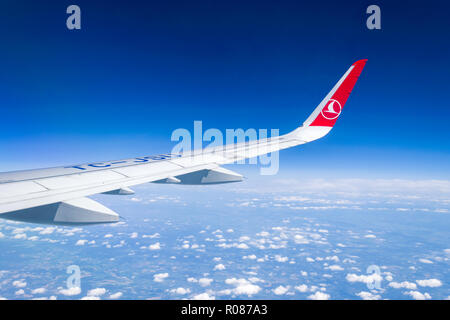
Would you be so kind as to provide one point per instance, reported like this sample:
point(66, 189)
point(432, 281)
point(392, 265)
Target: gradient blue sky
point(137, 70)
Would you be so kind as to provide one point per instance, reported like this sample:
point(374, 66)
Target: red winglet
point(333, 107)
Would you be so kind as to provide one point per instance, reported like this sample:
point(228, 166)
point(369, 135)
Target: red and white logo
point(332, 110)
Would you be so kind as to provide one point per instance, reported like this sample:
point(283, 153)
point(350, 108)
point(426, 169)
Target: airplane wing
point(59, 195)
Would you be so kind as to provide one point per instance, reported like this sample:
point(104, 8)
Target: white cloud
point(48, 230)
point(181, 291)
point(243, 286)
point(70, 291)
point(90, 298)
point(404, 284)
point(204, 282)
point(429, 283)
point(203, 296)
point(299, 239)
point(97, 292)
point(255, 279)
point(425, 261)
point(151, 236)
point(368, 296)
point(280, 290)
point(418, 295)
point(333, 258)
point(116, 295)
point(2, 235)
point(81, 242)
point(20, 230)
point(155, 246)
point(351, 277)
point(109, 235)
point(39, 291)
point(159, 277)
point(319, 296)
point(233, 245)
point(219, 266)
point(19, 284)
point(301, 288)
point(279, 258)
point(19, 292)
point(335, 267)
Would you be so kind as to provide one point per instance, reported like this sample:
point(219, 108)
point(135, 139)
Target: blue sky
point(373, 192)
point(119, 87)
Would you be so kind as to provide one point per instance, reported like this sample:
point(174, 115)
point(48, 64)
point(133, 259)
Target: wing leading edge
point(58, 195)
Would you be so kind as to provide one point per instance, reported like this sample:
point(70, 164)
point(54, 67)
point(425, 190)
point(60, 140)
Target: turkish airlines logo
point(332, 110)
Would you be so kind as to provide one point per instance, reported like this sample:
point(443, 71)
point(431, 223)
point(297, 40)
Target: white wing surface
point(59, 195)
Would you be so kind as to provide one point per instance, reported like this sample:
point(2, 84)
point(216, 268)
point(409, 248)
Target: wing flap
point(206, 176)
point(84, 211)
point(75, 211)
